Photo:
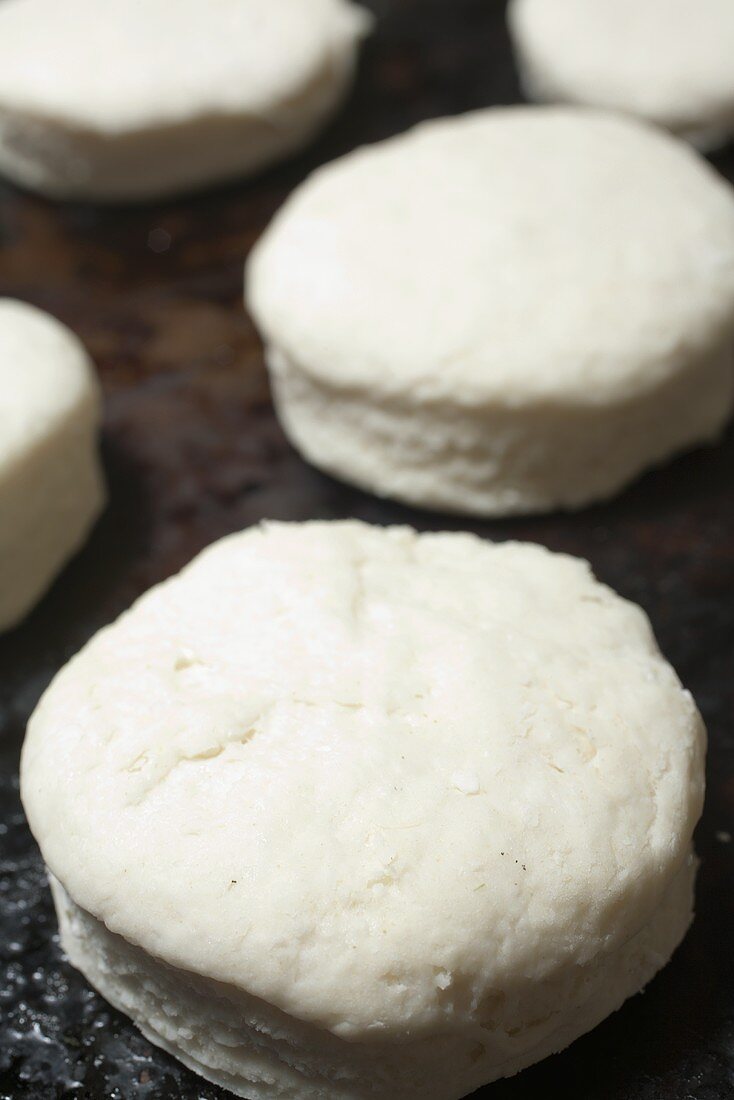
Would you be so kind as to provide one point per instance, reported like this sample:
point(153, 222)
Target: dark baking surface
point(193, 452)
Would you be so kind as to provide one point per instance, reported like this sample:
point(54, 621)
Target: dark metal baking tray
point(193, 452)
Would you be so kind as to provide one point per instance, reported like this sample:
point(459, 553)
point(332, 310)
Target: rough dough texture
point(510, 311)
point(666, 60)
point(51, 488)
point(344, 811)
point(133, 99)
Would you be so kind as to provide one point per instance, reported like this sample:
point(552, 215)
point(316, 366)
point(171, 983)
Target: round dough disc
point(116, 100)
point(349, 812)
point(669, 61)
point(510, 311)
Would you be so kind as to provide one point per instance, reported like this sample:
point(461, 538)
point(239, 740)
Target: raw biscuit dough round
point(345, 812)
point(51, 488)
point(510, 311)
point(116, 100)
point(668, 61)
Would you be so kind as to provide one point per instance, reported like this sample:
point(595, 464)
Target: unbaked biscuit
point(51, 486)
point(668, 61)
point(116, 100)
point(345, 812)
point(512, 311)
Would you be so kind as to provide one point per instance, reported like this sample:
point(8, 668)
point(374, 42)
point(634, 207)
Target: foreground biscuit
point(511, 311)
point(344, 812)
point(668, 61)
point(135, 99)
point(51, 488)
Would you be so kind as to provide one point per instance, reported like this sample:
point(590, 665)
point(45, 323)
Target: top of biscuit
point(368, 775)
point(117, 65)
point(509, 254)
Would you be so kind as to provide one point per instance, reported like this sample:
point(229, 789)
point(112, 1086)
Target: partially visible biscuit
point(126, 100)
point(51, 486)
point(667, 61)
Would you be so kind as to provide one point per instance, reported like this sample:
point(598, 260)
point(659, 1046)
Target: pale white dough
point(510, 311)
point(51, 488)
point(669, 61)
point(134, 99)
point(345, 812)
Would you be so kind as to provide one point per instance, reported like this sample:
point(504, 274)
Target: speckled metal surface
point(192, 452)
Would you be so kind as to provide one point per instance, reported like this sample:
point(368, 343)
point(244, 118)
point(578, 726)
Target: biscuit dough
point(511, 311)
point(51, 488)
point(668, 61)
point(116, 100)
point(343, 812)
